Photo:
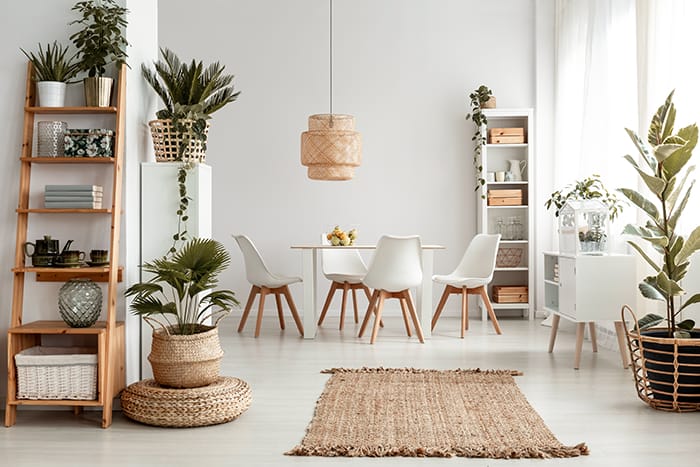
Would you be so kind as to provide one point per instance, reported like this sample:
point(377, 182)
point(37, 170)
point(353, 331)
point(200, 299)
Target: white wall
point(403, 68)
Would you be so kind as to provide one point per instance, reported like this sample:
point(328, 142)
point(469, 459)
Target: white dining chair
point(472, 275)
point(395, 268)
point(345, 268)
point(265, 282)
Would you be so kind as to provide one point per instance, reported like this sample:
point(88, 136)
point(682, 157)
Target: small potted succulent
point(53, 69)
point(481, 98)
point(100, 43)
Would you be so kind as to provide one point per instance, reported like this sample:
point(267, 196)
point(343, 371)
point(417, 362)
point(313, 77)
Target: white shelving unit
point(495, 158)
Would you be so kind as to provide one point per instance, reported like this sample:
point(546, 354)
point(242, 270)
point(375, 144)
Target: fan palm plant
point(181, 287)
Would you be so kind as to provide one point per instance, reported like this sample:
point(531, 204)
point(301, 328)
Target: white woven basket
point(57, 373)
point(166, 142)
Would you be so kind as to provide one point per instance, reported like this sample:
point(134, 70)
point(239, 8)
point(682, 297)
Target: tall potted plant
point(666, 359)
point(53, 70)
point(481, 98)
point(100, 43)
point(191, 93)
point(177, 302)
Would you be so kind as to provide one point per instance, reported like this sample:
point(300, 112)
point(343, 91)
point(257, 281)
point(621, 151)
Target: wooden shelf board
point(506, 145)
point(71, 110)
point(509, 306)
point(59, 327)
point(519, 268)
point(64, 211)
point(67, 160)
point(97, 274)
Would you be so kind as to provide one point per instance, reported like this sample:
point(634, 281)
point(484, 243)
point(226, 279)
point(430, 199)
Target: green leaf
point(662, 122)
point(681, 334)
point(650, 291)
point(677, 160)
point(655, 184)
point(664, 151)
point(669, 286)
point(690, 301)
point(691, 245)
point(643, 254)
point(687, 324)
point(643, 149)
point(649, 321)
point(646, 234)
point(642, 203)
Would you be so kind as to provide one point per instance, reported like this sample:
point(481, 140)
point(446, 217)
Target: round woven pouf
point(220, 402)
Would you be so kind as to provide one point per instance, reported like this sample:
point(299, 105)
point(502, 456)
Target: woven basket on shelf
point(186, 361)
point(166, 142)
point(509, 257)
point(220, 402)
point(666, 370)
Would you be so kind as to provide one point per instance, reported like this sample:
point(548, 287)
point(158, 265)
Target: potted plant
point(666, 359)
point(589, 188)
point(480, 98)
point(53, 69)
point(100, 43)
point(191, 93)
point(177, 302)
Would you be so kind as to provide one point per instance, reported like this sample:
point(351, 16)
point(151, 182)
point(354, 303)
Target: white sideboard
point(588, 288)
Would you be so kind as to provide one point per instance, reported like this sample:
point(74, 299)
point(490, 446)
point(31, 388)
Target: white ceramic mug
point(500, 176)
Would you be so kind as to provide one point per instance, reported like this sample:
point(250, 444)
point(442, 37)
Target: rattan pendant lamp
point(331, 148)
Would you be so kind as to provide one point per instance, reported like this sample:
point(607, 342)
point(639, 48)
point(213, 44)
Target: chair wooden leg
point(414, 315)
point(370, 311)
point(489, 308)
point(263, 291)
point(293, 309)
point(404, 312)
point(375, 329)
point(441, 305)
point(280, 315)
point(369, 298)
point(329, 298)
point(346, 286)
point(249, 304)
point(594, 341)
point(354, 305)
point(465, 312)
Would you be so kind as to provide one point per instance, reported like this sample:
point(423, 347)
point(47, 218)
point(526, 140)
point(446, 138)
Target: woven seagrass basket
point(666, 370)
point(166, 142)
point(186, 361)
point(509, 257)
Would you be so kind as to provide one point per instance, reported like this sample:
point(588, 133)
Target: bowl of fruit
point(338, 237)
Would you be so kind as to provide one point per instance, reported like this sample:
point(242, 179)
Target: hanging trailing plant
point(181, 235)
point(478, 99)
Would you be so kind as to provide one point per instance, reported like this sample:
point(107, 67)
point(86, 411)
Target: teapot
point(43, 251)
point(516, 168)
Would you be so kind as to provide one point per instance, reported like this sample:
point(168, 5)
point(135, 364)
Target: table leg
point(620, 331)
point(424, 294)
point(308, 268)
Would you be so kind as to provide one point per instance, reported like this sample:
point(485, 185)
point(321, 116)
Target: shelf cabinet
point(505, 202)
point(105, 337)
point(585, 289)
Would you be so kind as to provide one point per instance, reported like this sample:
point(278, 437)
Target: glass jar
point(80, 303)
point(499, 227)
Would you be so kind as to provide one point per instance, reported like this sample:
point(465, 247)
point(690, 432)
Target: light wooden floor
point(595, 404)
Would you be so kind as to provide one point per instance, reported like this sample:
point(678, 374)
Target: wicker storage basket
point(509, 257)
point(166, 142)
point(220, 402)
point(666, 370)
point(186, 361)
point(57, 373)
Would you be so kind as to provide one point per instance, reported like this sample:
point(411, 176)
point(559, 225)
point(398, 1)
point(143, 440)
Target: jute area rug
point(375, 412)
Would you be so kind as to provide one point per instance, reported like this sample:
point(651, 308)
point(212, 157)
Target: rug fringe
point(420, 370)
point(406, 451)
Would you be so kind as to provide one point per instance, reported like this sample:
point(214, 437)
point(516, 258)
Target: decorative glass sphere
point(80, 303)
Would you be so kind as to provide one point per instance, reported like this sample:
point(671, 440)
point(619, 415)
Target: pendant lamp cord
point(330, 61)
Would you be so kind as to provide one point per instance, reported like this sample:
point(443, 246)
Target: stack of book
point(73, 196)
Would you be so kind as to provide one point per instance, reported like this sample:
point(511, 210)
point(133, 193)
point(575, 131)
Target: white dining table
point(309, 267)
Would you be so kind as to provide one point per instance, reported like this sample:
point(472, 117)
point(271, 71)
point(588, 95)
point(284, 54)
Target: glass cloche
point(583, 227)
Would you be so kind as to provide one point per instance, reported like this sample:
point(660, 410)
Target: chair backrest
point(396, 264)
point(341, 261)
point(479, 260)
point(256, 270)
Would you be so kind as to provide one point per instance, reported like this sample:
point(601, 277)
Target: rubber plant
point(477, 99)
point(663, 168)
point(589, 188)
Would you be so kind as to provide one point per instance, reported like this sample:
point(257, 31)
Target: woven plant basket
point(166, 142)
point(220, 402)
point(186, 361)
point(666, 370)
point(509, 257)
